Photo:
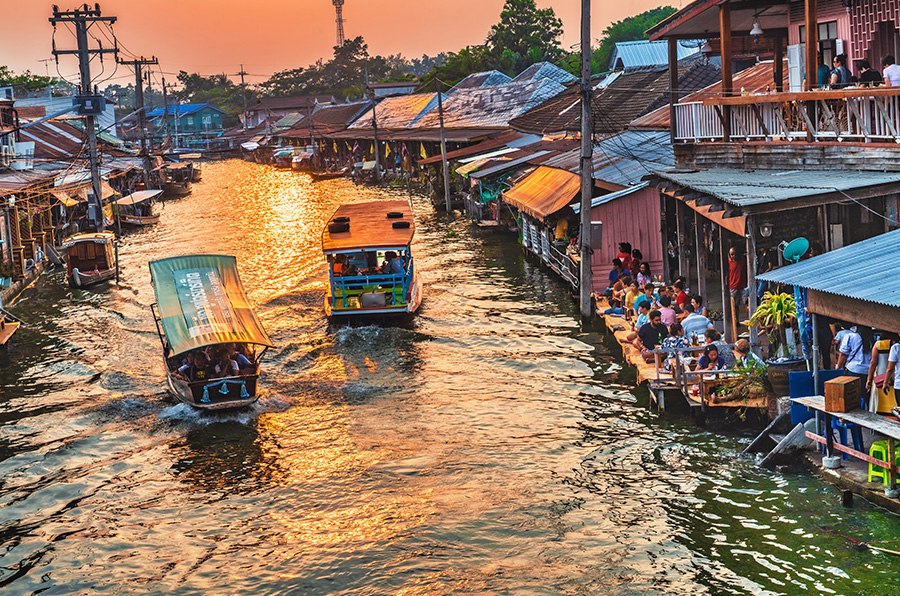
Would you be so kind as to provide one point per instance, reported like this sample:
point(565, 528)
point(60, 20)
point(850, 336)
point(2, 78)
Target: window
point(207, 121)
point(189, 120)
point(829, 44)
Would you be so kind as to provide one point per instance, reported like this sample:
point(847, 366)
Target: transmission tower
point(339, 11)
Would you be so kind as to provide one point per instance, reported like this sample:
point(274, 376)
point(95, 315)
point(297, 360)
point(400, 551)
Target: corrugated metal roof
point(491, 107)
point(397, 112)
point(543, 192)
point(545, 70)
point(623, 159)
point(486, 78)
point(643, 53)
point(507, 165)
point(857, 271)
point(610, 197)
point(744, 188)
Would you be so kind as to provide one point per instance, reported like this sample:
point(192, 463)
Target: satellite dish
point(795, 249)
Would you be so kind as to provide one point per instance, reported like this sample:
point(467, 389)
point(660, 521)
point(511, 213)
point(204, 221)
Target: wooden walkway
point(660, 382)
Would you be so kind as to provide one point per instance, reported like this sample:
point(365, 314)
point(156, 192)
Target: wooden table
point(862, 418)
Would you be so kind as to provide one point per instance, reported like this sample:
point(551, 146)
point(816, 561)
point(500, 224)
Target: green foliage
point(525, 34)
point(775, 310)
point(344, 74)
point(26, 80)
point(628, 29)
point(461, 64)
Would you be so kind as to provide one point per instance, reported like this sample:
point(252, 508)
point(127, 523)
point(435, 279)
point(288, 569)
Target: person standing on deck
point(892, 374)
point(854, 357)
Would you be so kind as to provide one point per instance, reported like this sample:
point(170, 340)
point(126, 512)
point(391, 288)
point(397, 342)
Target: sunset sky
point(210, 36)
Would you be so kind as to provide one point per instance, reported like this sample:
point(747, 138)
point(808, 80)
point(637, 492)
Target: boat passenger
point(711, 360)
point(338, 266)
point(223, 365)
point(235, 353)
point(195, 369)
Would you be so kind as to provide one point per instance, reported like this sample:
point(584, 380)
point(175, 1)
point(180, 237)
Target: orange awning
point(544, 191)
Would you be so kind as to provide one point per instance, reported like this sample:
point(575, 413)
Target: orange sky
point(269, 35)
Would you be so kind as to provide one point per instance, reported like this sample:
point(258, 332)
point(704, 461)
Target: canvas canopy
point(139, 197)
point(201, 302)
point(544, 192)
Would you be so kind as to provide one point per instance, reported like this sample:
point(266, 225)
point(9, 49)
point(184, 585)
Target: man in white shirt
point(891, 72)
point(853, 355)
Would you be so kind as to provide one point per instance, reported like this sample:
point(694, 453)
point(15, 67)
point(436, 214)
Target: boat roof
point(201, 302)
point(370, 227)
point(139, 197)
point(98, 237)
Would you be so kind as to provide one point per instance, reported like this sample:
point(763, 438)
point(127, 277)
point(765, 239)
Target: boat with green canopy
point(212, 339)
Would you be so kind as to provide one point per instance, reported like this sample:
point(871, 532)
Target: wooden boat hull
point(317, 176)
point(139, 220)
point(408, 309)
point(178, 189)
point(216, 394)
point(79, 279)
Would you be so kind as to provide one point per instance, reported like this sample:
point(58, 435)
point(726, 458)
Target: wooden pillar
point(812, 42)
point(673, 87)
point(701, 258)
point(727, 63)
point(779, 64)
point(752, 265)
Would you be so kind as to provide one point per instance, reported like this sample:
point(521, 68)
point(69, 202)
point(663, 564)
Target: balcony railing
point(851, 115)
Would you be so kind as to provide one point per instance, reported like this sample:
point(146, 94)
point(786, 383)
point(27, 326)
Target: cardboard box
point(842, 394)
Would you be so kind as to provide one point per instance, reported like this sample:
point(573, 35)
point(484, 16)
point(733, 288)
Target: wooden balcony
point(866, 115)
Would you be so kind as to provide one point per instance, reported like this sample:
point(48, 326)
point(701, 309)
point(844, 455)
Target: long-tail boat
point(136, 209)
point(91, 258)
point(201, 313)
point(370, 264)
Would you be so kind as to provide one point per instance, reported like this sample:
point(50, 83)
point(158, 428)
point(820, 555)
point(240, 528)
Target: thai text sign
point(203, 301)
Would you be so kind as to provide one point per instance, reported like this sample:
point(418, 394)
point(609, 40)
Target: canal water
point(491, 446)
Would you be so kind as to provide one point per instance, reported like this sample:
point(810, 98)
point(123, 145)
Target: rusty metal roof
point(544, 191)
point(397, 112)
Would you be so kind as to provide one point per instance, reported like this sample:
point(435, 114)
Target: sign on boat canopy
point(201, 302)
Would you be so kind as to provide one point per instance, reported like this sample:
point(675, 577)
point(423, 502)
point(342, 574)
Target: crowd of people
point(216, 362)
point(666, 317)
point(838, 75)
point(366, 263)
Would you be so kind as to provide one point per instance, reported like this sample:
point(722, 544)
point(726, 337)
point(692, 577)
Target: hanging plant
point(775, 313)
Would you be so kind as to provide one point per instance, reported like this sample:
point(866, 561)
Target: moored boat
point(90, 258)
point(370, 264)
point(136, 209)
point(329, 175)
point(177, 178)
point(283, 158)
point(202, 314)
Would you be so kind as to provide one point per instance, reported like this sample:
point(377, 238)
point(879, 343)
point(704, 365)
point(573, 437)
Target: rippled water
point(493, 445)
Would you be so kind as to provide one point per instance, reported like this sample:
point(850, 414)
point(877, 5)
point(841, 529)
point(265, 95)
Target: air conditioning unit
point(7, 93)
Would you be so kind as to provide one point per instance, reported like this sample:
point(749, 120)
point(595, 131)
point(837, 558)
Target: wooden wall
point(634, 218)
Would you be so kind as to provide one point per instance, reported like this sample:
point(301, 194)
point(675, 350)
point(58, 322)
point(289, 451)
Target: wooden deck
point(9, 329)
point(661, 381)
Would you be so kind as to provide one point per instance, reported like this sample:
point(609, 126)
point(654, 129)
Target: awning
point(139, 197)
point(544, 191)
point(201, 302)
point(471, 166)
point(64, 198)
point(105, 189)
point(507, 165)
point(368, 165)
point(250, 146)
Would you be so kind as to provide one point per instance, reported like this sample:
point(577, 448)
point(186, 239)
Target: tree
point(25, 81)
point(628, 29)
point(525, 34)
point(461, 64)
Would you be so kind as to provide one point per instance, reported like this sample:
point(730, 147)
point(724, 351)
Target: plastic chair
point(879, 450)
point(855, 434)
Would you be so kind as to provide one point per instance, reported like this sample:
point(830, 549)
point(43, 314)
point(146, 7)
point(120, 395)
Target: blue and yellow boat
point(371, 271)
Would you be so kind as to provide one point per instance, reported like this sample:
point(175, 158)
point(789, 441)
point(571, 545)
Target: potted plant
point(775, 317)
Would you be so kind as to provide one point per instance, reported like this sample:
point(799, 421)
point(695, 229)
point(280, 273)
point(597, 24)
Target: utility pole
point(89, 104)
point(371, 94)
point(445, 166)
point(587, 150)
point(243, 95)
point(138, 64)
point(166, 110)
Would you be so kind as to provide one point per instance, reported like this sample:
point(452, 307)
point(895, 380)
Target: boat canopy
point(201, 302)
point(95, 237)
point(371, 228)
point(139, 197)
